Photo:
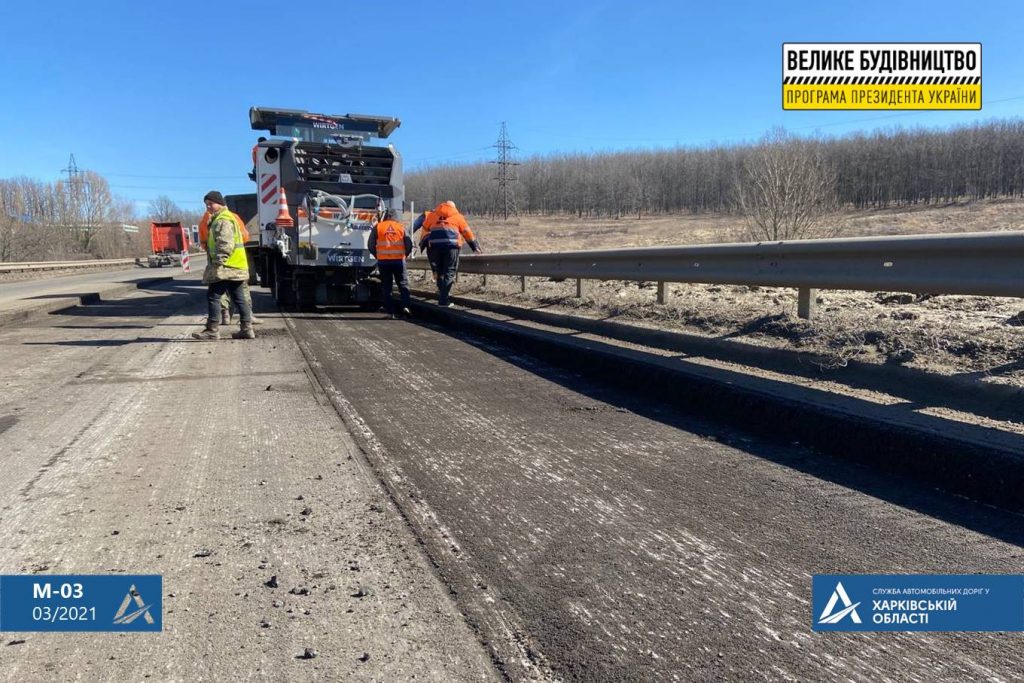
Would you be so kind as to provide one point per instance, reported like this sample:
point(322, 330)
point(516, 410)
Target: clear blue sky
point(155, 96)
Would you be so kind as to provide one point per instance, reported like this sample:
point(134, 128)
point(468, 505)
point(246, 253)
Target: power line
point(751, 135)
point(174, 177)
point(450, 156)
point(506, 172)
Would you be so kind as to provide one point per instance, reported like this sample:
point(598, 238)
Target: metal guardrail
point(61, 265)
point(983, 264)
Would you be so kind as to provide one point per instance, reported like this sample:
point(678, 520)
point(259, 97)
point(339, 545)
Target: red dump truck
point(169, 240)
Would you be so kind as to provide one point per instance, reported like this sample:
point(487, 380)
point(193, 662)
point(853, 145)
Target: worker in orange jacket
point(255, 150)
point(225, 307)
point(390, 245)
point(444, 233)
point(204, 226)
point(419, 224)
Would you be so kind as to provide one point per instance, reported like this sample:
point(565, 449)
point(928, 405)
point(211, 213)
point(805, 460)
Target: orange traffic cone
point(284, 219)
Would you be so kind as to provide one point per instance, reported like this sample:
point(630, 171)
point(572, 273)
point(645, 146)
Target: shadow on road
point(617, 387)
point(965, 392)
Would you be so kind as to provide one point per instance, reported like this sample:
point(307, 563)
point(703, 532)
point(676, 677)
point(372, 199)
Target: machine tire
point(284, 295)
point(305, 296)
point(266, 272)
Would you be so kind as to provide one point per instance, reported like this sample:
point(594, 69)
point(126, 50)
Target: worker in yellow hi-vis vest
point(226, 269)
point(225, 309)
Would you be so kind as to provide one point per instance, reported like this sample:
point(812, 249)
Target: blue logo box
point(917, 602)
point(81, 602)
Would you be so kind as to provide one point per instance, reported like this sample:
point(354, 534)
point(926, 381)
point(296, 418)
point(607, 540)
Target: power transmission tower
point(72, 170)
point(76, 179)
point(75, 197)
point(506, 173)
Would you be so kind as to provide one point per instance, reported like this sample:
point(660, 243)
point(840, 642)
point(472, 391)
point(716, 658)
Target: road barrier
point(62, 265)
point(981, 264)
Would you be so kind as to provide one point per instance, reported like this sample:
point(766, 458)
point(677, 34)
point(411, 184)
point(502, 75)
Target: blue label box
point(81, 602)
point(917, 602)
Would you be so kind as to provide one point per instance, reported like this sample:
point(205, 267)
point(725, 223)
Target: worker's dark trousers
point(447, 260)
point(432, 260)
point(393, 270)
point(233, 288)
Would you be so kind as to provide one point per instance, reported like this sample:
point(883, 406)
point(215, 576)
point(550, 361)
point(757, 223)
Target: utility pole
point(506, 173)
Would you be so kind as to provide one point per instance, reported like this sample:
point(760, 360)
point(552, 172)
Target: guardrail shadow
point(830, 449)
point(109, 342)
point(917, 388)
point(171, 298)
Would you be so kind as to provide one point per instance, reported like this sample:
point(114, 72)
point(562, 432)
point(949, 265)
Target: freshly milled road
point(597, 536)
point(126, 447)
point(585, 534)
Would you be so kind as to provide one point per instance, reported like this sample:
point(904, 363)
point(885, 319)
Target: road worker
point(445, 232)
point(418, 225)
point(390, 245)
point(226, 269)
point(255, 150)
point(225, 308)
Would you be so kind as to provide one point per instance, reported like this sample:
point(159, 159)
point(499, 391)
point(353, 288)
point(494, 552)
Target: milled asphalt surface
point(584, 534)
point(28, 295)
point(590, 535)
point(126, 447)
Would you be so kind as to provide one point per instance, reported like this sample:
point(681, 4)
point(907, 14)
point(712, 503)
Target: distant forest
point(894, 167)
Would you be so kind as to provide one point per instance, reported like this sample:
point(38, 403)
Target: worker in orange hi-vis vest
point(225, 309)
point(390, 245)
point(444, 233)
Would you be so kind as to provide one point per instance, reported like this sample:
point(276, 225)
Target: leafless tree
point(163, 209)
point(69, 218)
point(883, 168)
point(786, 189)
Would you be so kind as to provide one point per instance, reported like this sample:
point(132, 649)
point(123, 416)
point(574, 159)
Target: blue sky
point(155, 96)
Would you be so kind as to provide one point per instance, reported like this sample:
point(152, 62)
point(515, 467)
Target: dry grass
point(976, 337)
point(551, 233)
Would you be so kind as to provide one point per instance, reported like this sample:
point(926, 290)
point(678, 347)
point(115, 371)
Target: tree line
point(783, 185)
point(864, 170)
point(76, 218)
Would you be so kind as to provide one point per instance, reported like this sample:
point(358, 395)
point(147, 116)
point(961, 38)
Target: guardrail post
point(522, 284)
point(807, 299)
point(662, 292)
point(579, 288)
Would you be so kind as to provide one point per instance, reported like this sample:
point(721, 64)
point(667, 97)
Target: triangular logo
point(849, 607)
point(123, 616)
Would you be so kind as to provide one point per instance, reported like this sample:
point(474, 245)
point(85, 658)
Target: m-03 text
point(65, 591)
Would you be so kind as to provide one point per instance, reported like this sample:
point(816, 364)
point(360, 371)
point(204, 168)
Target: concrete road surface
point(126, 447)
point(591, 535)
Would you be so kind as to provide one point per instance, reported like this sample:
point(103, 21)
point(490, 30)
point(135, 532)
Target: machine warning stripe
point(271, 179)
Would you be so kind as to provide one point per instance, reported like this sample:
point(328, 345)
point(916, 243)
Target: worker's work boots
point(245, 333)
point(210, 333)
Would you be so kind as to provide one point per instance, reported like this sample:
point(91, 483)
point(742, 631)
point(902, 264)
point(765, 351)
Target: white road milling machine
point(321, 188)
